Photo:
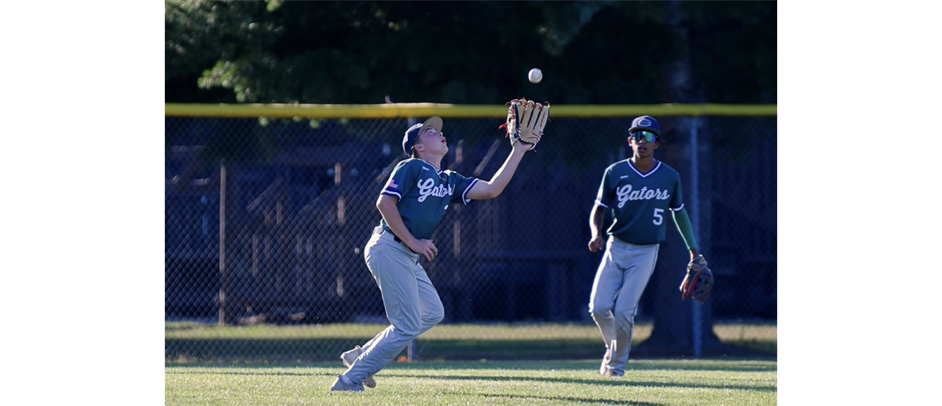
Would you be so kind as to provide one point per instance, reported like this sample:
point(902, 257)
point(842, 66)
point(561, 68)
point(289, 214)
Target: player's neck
point(643, 164)
point(436, 161)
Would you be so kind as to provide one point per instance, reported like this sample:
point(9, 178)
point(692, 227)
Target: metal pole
point(222, 245)
point(695, 198)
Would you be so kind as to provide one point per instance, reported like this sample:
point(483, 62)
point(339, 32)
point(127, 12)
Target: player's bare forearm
point(595, 220)
point(390, 212)
point(595, 225)
point(494, 187)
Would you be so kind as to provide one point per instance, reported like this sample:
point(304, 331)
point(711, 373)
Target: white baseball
point(535, 75)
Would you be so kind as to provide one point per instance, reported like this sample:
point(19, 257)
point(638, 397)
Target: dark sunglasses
point(647, 136)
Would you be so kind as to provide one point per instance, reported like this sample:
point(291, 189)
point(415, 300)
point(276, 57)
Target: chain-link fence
point(267, 219)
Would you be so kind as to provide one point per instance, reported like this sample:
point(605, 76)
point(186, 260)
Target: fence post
point(694, 199)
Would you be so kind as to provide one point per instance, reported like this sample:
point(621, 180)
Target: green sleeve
point(682, 220)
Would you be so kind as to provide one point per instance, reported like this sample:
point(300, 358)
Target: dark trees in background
point(464, 52)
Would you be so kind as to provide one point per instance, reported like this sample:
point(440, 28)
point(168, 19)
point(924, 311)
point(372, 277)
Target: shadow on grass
point(415, 371)
point(249, 351)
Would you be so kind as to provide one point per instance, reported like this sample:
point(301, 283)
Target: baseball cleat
point(350, 357)
point(610, 374)
point(605, 361)
point(341, 386)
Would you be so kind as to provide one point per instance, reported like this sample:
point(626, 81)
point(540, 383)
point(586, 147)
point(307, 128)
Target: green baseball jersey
point(638, 201)
point(424, 194)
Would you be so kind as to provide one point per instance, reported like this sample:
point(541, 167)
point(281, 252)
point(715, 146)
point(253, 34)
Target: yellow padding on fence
point(410, 110)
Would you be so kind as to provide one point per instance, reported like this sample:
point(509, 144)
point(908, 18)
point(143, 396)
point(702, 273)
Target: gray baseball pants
point(622, 275)
point(412, 303)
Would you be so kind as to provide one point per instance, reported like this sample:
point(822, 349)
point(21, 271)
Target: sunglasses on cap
point(647, 136)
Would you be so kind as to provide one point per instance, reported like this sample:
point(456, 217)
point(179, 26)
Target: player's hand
point(425, 248)
point(523, 146)
point(683, 284)
point(596, 243)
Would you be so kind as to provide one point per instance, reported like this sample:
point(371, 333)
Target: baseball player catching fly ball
point(412, 204)
point(638, 191)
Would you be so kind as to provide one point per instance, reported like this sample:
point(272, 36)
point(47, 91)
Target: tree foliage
point(469, 52)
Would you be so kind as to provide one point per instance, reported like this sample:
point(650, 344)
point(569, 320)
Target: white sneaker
point(341, 386)
point(350, 357)
point(610, 373)
point(608, 357)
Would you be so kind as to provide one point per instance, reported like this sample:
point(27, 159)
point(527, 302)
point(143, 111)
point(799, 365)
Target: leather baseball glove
point(698, 283)
point(525, 121)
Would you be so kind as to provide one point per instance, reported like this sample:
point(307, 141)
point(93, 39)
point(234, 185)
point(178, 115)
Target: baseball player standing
point(638, 191)
point(412, 204)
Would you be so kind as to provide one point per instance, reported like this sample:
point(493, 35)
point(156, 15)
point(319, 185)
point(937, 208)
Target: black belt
point(395, 238)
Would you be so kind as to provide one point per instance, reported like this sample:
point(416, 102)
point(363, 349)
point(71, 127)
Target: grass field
point(647, 382)
point(189, 343)
point(207, 364)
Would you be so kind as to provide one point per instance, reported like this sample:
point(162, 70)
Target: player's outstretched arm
point(495, 186)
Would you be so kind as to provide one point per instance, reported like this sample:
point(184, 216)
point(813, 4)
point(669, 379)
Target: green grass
point(647, 382)
point(187, 342)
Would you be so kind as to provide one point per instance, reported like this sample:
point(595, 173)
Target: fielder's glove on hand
point(699, 280)
point(525, 121)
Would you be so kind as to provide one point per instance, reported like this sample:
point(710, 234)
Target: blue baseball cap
point(412, 134)
point(646, 123)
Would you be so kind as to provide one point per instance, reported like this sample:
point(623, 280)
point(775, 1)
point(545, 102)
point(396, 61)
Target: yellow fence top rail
point(413, 110)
